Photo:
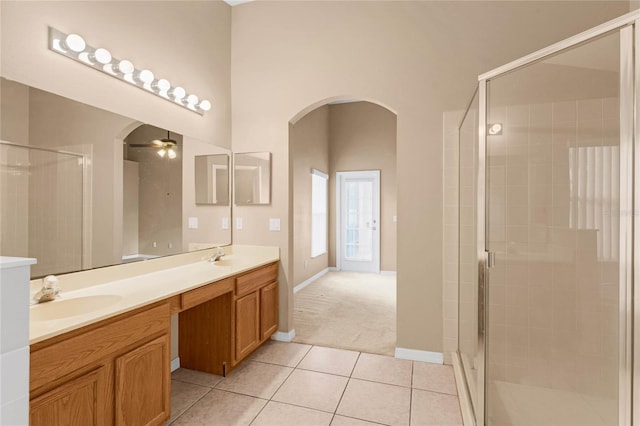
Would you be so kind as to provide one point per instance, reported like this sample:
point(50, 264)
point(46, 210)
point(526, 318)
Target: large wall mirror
point(82, 188)
point(252, 178)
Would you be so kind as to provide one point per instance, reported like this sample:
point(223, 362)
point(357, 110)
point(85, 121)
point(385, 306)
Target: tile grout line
point(191, 405)
point(411, 392)
point(281, 384)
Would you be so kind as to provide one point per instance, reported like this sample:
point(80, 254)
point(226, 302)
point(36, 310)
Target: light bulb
point(162, 85)
point(178, 93)
point(205, 105)
point(75, 43)
point(101, 55)
point(192, 100)
point(495, 129)
point(171, 153)
point(123, 67)
point(145, 76)
point(162, 152)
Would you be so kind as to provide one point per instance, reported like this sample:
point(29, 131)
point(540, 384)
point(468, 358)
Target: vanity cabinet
point(77, 402)
point(116, 371)
point(247, 324)
point(142, 384)
point(256, 309)
point(224, 322)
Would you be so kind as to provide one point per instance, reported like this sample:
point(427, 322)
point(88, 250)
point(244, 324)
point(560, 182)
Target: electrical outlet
point(193, 223)
point(274, 224)
point(225, 223)
point(155, 244)
point(238, 223)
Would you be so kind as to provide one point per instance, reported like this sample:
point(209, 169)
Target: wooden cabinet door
point(79, 402)
point(247, 324)
point(268, 310)
point(143, 384)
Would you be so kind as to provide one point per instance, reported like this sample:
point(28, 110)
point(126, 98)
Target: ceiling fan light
point(171, 153)
point(162, 152)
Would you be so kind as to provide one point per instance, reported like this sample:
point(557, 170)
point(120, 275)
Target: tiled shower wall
point(553, 189)
point(451, 121)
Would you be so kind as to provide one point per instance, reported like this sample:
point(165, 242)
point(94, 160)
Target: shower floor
point(523, 405)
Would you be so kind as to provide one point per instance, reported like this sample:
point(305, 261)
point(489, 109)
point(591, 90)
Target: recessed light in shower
point(495, 129)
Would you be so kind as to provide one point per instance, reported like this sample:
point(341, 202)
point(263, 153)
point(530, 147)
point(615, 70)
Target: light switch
point(225, 223)
point(274, 224)
point(395, 218)
point(238, 223)
point(193, 223)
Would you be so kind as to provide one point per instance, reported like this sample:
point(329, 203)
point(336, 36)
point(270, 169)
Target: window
point(319, 217)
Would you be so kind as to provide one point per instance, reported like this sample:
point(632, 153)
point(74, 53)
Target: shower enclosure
point(41, 205)
point(547, 195)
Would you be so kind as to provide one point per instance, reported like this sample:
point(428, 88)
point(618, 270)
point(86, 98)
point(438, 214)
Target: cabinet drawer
point(205, 293)
point(255, 279)
point(52, 362)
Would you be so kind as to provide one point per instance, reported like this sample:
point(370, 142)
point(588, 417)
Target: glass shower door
point(469, 347)
point(553, 179)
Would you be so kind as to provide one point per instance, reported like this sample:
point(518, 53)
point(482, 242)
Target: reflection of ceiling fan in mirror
point(164, 146)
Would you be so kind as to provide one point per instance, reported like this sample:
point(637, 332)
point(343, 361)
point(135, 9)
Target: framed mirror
point(252, 178)
point(212, 179)
point(82, 188)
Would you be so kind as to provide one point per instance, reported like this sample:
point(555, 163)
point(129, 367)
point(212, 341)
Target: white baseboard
point(388, 273)
point(463, 393)
point(281, 336)
point(333, 268)
point(424, 356)
point(175, 364)
point(306, 282)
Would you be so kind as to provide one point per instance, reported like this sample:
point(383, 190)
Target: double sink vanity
point(101, 352)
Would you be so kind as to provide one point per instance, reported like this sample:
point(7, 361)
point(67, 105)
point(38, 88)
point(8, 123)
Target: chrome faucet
point(49, 290)
point(217, 255)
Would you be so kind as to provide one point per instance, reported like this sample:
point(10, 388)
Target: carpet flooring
point(348, 310)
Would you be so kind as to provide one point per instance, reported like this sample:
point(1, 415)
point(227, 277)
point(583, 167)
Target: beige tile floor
point(295, 384)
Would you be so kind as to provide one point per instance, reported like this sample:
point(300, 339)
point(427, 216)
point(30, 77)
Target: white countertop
point(106, 298)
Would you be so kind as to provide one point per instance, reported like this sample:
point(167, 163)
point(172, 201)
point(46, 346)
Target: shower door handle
point(491, 259)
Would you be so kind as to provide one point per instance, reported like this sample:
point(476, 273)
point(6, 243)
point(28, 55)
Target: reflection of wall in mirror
point(160, 192)
point(252, 174)
point(212, 179)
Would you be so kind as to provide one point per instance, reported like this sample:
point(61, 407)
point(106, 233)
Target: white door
point(358, 227)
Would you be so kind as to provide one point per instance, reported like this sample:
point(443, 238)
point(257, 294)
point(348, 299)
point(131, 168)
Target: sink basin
point(66, 308)
point(224, 262)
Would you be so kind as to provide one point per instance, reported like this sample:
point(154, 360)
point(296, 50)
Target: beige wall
point(309, 142)
point(195, 53)
point(416, 58)
point(363, 137)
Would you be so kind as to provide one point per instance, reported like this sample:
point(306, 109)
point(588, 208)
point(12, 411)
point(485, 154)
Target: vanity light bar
point(73, 46)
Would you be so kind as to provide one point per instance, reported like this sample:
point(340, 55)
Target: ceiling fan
point(164, 146)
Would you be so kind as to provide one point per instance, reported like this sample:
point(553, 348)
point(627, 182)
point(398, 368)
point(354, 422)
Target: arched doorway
point(332, 307)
